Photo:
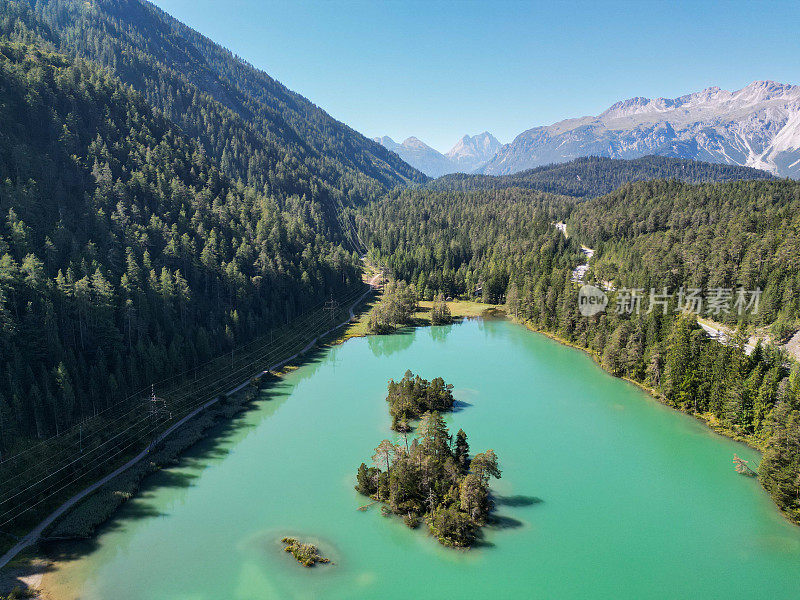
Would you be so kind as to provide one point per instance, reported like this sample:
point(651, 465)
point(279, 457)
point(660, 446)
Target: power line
point(188, 389)
point(225, 386)
point(210, 374)
point(331, 306)
point(306, 324)
point(161, 383)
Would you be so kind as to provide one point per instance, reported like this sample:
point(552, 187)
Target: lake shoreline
point(466, 310)
point(30, 568)
point(580, 433)
point(351, 331)
point(498, 311)
point(705, 420)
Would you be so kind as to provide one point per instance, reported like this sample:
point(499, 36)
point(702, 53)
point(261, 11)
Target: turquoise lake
point(605, 493)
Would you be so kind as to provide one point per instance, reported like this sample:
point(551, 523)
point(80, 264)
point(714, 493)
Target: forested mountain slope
point(743, 234)
point(125, 254)
point(595, 176)
point(467, 243)
point(162, 201)
point(252, 126)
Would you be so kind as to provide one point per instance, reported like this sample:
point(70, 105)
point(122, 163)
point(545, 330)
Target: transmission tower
point(157, 405)
point(331, 306)
point(157, 408)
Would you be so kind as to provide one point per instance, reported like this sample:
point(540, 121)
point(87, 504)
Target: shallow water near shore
point(605, 493)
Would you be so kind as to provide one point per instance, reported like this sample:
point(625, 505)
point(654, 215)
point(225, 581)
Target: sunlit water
point(605, 493)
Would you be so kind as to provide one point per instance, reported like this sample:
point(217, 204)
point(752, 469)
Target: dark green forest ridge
point(594, 176)
point(665, 233)
point(456, 242)
point(124, 254)
point(163, 202)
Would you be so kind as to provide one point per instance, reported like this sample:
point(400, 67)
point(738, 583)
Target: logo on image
point(591, 300)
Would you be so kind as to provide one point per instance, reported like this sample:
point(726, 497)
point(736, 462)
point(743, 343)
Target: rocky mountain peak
point(756, 126)
point(469, 153)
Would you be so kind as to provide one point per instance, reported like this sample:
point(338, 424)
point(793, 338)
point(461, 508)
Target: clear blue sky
point(439, 70)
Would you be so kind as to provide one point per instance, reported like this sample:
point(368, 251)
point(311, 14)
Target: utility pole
point(331, 306)
point(157, 406)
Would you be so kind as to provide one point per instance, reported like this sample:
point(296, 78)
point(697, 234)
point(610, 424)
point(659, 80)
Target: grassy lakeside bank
point(459, 309)
point(26, 572)
point(61, 467)
point(83, 521)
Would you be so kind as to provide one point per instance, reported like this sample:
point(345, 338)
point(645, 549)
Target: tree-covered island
point(412, 396)
point(432, 478)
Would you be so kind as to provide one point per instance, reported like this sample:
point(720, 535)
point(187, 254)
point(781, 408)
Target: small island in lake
point(432, 478)
point(412, 396)
point(306, 554)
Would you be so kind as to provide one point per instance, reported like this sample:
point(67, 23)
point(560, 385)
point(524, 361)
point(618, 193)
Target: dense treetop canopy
point(124, 253)
point(594, 176)
point(743, 234)
point(162, 202)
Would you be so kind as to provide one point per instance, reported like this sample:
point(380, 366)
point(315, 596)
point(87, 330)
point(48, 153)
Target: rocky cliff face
point(471, 152)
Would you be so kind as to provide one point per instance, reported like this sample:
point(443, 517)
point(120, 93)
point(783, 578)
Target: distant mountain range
point(419, 155)
point(469, 153)
point(757, 126)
